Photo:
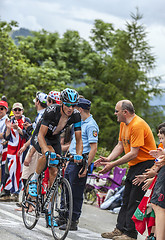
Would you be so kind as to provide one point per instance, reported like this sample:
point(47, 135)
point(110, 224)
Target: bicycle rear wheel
point(29, 214)
point(62, 208)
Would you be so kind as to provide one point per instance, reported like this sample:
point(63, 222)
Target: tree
point(66, 53)
point(13, 65)
point(20, 79)
point(118, 69)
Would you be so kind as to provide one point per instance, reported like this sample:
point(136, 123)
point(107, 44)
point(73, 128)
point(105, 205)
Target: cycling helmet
point(55, 95)
point(69, 95)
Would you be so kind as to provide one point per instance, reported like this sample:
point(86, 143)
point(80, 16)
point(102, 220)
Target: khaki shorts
point(28, 170)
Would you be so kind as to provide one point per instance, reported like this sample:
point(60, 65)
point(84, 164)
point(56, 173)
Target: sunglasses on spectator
point(17, 109)
point(69, 104)
point(2, 108)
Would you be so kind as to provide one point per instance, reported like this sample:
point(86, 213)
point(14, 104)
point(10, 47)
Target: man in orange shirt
point(136, 140)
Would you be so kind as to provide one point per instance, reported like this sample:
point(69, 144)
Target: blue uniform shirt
point(89, 131)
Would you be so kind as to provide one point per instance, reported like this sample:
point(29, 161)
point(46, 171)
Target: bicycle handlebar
point(54, 160)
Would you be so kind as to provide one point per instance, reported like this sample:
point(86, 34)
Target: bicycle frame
point(51, 190)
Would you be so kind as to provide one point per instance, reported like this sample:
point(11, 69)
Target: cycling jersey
point(51, 119)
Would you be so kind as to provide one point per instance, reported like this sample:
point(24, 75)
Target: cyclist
point(46, 138)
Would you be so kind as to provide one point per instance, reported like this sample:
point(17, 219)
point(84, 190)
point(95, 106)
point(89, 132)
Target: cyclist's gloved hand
point(77, 158)
point(51, 158)
point(51, 155)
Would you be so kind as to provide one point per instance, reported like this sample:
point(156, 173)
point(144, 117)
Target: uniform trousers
point(77, 185)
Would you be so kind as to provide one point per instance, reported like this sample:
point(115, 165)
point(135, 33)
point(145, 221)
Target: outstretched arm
point(112, 156)
point(126, 158)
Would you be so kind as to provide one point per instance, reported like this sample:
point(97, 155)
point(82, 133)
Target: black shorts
point(158, 196)
point(55, 144)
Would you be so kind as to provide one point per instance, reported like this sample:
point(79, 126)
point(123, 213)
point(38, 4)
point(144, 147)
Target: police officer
point(77, 181)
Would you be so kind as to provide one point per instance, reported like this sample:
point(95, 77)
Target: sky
point(61, 15)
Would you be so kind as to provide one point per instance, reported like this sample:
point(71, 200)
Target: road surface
point(93, 222)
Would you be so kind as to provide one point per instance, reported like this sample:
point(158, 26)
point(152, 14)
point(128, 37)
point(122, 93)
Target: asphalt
point(99, 221)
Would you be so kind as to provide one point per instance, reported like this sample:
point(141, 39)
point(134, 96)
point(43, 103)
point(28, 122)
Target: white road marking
point(39, 227)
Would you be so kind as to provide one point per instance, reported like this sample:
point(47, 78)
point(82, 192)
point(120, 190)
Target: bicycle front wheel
point(29, 213)
point(62, 208)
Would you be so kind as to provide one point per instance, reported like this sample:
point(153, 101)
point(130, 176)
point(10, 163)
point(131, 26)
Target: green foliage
point(115, 65)
point(13, 65)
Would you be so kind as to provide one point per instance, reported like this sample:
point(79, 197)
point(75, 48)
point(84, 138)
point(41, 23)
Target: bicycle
point(61, 194)
point(61, 205)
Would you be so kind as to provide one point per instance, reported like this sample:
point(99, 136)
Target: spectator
point(16, 136)
point(4, 98)
point(77, 181)
point(159, 127)
point(3, 117)
point(136, 140)
point(158, 196)
point(32, 155)
point(149, 176)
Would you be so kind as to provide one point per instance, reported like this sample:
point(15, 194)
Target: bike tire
point(29, 213)
point(62, 210)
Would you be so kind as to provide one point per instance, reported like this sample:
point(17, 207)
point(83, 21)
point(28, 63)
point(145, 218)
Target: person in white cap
point(32, 155)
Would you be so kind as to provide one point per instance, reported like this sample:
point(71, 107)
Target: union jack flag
point(4, 155)
point(15, 163)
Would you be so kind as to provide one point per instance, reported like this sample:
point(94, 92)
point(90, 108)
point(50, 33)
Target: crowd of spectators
point(15, 142)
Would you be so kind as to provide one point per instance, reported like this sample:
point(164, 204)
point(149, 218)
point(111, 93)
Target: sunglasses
point(69, 104)
point(116, 111)
point(2, 108)
point(17, 109)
